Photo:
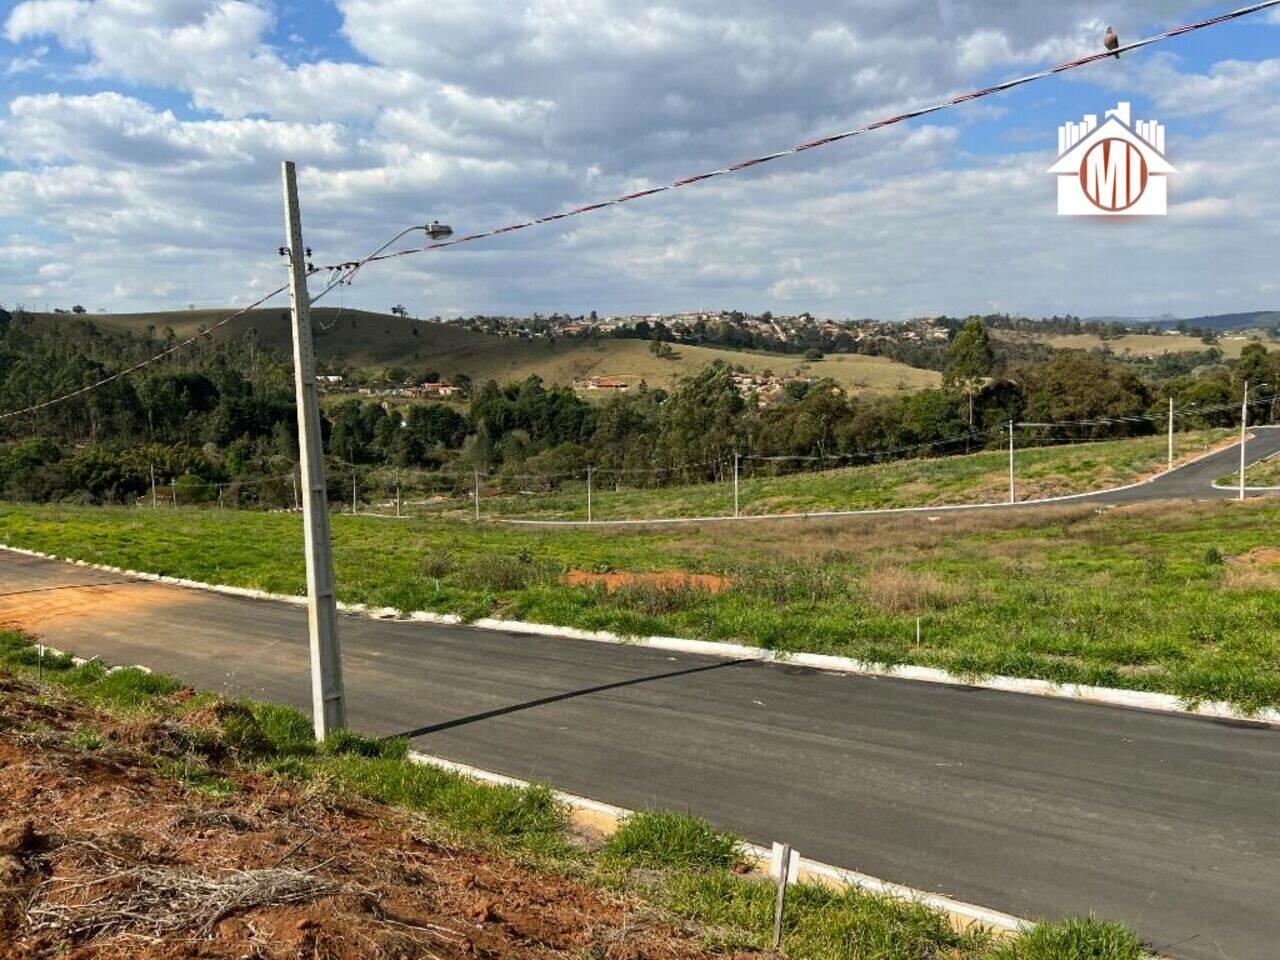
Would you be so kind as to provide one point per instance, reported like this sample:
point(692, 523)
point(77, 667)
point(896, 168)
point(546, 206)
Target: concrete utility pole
point(735, 482)
point(351, 452)
point(329, 708)
point(154, 502)
point(477, 472)
point(588, 494)
point(1013, 497)
point(397, 493)
point(1244, 425)
point(1171, 433)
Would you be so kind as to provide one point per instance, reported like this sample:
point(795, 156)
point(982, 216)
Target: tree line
point(220, 415)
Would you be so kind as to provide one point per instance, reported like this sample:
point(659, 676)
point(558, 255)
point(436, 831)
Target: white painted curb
point(1106, 696)
point(811, 870)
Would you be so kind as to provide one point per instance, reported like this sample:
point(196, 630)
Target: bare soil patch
point(103, 857)
point(41, 607)
point(709, 582)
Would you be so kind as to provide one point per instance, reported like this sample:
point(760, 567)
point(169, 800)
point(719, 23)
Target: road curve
point(1192, 480)
point(1028, 805)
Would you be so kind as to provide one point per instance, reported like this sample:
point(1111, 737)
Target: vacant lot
point(974, 478)
point(1180, 598)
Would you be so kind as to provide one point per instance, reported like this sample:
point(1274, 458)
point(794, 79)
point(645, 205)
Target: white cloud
point(485, 113)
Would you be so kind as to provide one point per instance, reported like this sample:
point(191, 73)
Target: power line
point(825, 141)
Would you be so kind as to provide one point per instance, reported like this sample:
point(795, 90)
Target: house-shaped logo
point(1116, 168)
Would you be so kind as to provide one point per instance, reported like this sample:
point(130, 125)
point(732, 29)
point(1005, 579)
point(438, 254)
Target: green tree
point(970, 361)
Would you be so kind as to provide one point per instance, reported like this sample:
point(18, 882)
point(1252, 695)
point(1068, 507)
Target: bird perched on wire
point(1111, 41)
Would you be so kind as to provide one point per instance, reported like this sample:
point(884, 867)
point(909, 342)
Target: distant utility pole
point(351, 452)
point(1171, 433)
point(735, 482)
point(329, 710)
point(1244, 424)
point(154, 502)
point(397, 493)
point(477, 472)
point(1013, 497)
point(588, 494)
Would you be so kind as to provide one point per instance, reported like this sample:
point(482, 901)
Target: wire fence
point(740, 485)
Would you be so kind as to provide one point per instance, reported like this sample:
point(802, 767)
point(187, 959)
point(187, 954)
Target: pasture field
point(1180, 598)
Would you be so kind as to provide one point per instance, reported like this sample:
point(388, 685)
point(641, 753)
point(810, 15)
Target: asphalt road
point(1033, 806)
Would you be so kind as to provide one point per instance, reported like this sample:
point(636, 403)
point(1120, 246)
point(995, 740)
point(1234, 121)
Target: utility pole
point(736, 457)
point(294, 477)
point(397, 493)
point(173, 488)
point(1171, 433)
point(477, 473)
point(154, 502)
point(1013, 497)
point(1244, 425)
point(351, 452)
point(329, 710)
point(588, 494)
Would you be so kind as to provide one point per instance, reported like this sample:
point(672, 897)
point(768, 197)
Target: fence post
point(779, 905)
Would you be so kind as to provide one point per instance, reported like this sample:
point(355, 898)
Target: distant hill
point(1257, 320)
point(1254, 320)
point(375, 341)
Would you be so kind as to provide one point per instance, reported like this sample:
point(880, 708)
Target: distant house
point(329, 378)
point(605, 383)
point(441, 391)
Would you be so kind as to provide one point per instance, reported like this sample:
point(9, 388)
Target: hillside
point(1135, 344)
point(373, 340)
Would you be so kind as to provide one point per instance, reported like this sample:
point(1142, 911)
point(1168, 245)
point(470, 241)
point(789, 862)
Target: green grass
point(1162, 597)
point(689, 868)
point(1088, 939)
point(983, 477)
point(1265, 473)
point(658, 838)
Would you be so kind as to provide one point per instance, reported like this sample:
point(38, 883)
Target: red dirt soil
point(666, 578)
point(82, 829)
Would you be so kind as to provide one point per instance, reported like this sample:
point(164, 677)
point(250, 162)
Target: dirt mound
point(121, 862)
point(665, 578)
point(1259, 557)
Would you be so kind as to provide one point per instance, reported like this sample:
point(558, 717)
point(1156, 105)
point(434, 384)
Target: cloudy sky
point(140, 143)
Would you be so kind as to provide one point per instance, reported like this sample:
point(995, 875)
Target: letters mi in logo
point(1113, 169)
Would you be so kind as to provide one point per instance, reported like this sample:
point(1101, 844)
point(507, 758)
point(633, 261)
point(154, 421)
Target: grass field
point(1178, 598)
point(973, 478)
point(1135, 344)
point(375, 340)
